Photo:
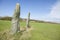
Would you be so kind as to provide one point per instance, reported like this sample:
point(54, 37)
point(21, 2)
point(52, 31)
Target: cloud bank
point(54, 15)
point(55, 11)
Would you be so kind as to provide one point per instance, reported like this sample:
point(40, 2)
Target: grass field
point(41, 31)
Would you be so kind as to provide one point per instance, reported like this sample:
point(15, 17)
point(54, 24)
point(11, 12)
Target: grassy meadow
point(40, 31)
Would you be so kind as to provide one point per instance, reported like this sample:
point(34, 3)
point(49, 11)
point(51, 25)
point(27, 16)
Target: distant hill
point(23, 19)
point(6, 18)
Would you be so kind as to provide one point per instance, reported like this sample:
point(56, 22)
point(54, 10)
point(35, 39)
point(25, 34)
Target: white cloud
point(54, 15)
point(55, 11)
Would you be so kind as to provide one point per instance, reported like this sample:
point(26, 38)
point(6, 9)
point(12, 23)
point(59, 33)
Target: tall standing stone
point(28, 19)
point(15, 20)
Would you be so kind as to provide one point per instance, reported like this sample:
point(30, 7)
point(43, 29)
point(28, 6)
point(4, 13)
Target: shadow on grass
point(22, 35)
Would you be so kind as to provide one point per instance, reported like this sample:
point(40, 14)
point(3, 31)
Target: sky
point(46, 10)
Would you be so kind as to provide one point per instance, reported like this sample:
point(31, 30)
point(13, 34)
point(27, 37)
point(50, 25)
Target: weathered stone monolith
point(15, 20)
point(28, 20)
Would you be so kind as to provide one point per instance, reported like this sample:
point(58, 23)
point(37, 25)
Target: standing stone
point(15, 20)
point(28, 19)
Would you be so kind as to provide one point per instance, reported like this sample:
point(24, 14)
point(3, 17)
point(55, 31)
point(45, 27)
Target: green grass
point(45, 31)
point(41, 31)
point(4, 25)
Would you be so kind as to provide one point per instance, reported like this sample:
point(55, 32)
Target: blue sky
point(47, 10)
